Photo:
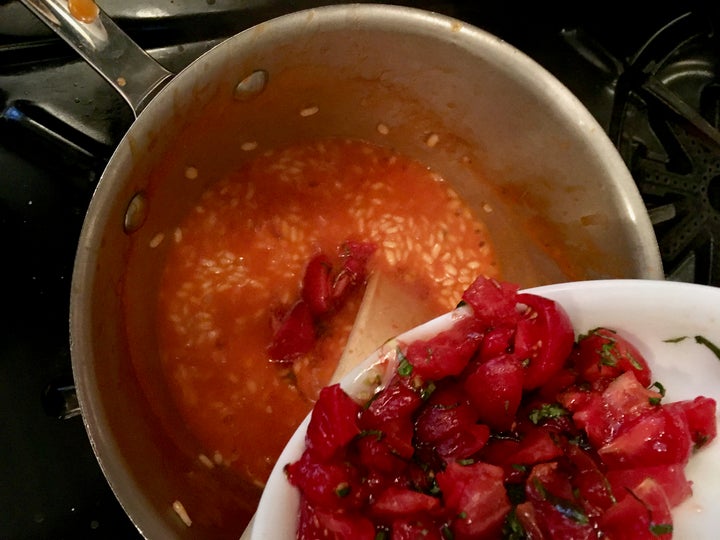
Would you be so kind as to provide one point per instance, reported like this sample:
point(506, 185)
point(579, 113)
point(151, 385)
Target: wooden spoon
point(389, 307)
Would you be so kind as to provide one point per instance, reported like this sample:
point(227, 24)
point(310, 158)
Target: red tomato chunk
point(503, 426)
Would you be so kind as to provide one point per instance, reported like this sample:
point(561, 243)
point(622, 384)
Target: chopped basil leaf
point(447, 534)
point(342, 489)
point(378, 434)
point(661, 390)
point(467, 461)
point(701, 340)
point(512, 528)
point(405, 368)
point(709, 344)
point(563, 506)
point(519, 467)
point(547, 410)
point(607, 354)
point(658, 529)
point(462, 515)
point(427, 390)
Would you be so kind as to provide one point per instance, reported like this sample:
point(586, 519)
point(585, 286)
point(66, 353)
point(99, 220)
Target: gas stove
point(650, 79)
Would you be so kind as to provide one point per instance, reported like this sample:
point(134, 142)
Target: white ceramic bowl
point(648, 313)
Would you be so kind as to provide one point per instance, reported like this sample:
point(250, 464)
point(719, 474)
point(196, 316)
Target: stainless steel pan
point(516, 144)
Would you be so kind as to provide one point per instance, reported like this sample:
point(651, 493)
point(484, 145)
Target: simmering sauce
point(239, 256)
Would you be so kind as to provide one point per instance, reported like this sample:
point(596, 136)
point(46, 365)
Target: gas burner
point(665, 121)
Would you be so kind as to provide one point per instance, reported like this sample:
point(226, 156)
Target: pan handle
point(120, 61)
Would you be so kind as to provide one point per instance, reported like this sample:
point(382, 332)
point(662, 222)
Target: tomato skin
point(536, 446)
point(656, 438)
point(324, 525)
point(391, 413)
point(447, 353)
point(605, 415)
point(398, 502)
point(557, 512)
point(375, 454)
point(544, 339)
point(644, 515)
point(354, 256)
point(294, 336)
point(495, 388)
point(701, 416)
point(492, 301)
point(671, 478)
point(412, 529)
point(603, 353)
point(317, 285)
point(476, 496)
point(333, 422)
point(330, 484)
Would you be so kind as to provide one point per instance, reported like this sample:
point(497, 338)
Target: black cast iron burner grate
point(665, 123)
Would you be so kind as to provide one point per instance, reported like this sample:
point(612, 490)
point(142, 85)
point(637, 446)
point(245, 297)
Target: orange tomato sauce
point(240, 254)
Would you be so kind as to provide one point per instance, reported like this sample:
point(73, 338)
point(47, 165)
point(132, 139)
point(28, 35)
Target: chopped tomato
point(558, 512)
point(495, 388)
point(412, 529)
point(701, 416)
point(671, 478)
point(476, 496)
point(334, 422)
point(354, 257)
point(330, 484)
point(607, 414)
point(492, 301)
point(448, 352)
point(398, 502)
point(391, 413)
point(543, 339)
point(500, 409)
point(317, 285)
point(295, 334)
point(656, 438)
point(603, 353)
point(642, 515)
point(323, 524)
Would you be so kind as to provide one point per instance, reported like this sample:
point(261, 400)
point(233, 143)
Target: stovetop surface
point(650, 78)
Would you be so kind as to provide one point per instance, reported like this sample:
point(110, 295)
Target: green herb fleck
point(675, 339)
point(447, 534)
point(462, 515)
point(466, 461)
point(607, 354)
point(513, 529)
point(658, 529)
point(701, 440)
point(661, 391)
point(427, 390)
point(378, 434)
point(709, 344)
point(563, 506)
point(547, 410)
point(405, 368)
point(342, 489)
point(519, 467)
